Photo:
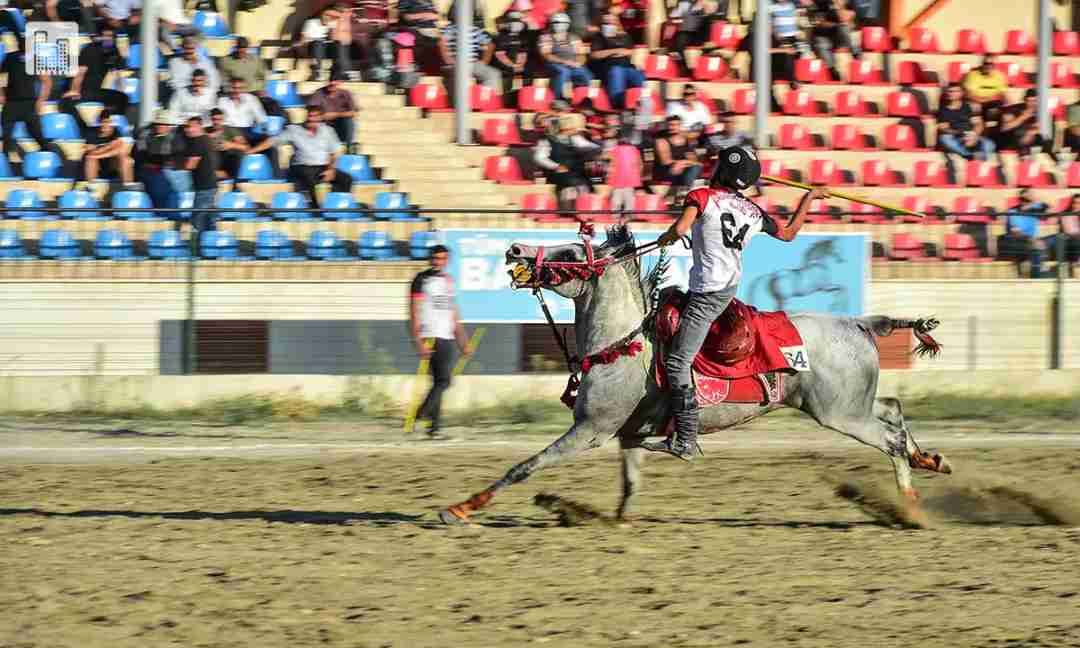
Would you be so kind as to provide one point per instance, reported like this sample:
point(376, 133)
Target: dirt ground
point(304, 535)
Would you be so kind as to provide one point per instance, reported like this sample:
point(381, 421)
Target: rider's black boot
point(683, 443)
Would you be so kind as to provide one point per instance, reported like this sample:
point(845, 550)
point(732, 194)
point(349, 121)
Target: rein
point(560, 271)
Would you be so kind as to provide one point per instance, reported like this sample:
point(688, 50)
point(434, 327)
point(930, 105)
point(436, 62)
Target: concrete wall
point(63, 393)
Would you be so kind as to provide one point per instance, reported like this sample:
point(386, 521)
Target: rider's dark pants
point(694, 322)
point(442, 362)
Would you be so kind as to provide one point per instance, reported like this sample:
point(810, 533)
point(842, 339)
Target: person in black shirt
point(201, 160)
point(830, 31)
point(960, 127)
point(23, 102)
point(610, 59)
point(511, 52)
point(107, 155)
point(1020, 128)
point(95, 61)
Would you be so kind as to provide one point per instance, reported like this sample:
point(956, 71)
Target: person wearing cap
point(721, 222)
point(339, 109)
point(559, 50)
point(155, 146)
point(562, 154)
point(610, 58)
point(511, 52)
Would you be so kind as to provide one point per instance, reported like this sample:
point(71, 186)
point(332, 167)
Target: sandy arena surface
point(150, 535)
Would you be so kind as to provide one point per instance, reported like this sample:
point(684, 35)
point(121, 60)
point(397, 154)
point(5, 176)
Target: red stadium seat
point(876, 173)
point(1066, 43)
point(593, 202)
point(1030, 173)
point(863, 213)
point(662, 67)
point(795, 136)
point(724, 35)
point(1056, 107)
point(912, 73)
point(650, 202)
point(957, 70)
point(907, 247)
point(968, 210)
point(862, 72)
point(901, 104)
point(504, 170)
point(875, 39)
point(825, 172)
point(920, 204)
point(923, 40)
point(930, 173)
point(598, 96)
point(812, 71)
point(743, 101)
point(500, 132)
point(970, 41)
point(633, 97)
point(1061, 75)
point(775, 168)
point(711, 68)
point(429, 96)
point(900, 137)
point(821, 213)
point(981, 174)
point(1018, 41)
point(1072, 178)
point(847, 137)
point(962, 247)
point(535, 99)
point(485, 99)
point(541, 201)
point(1014, 73)
point(800, 102)
point(849, 104)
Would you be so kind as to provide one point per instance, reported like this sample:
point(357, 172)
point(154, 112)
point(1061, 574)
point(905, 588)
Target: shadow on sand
point(377, 518)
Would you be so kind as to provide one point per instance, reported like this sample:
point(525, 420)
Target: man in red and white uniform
point(721, 222)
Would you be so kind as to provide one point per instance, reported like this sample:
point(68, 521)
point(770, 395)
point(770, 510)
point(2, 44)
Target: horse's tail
point(881, 325)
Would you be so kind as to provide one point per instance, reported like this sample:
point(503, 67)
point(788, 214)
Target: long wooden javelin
point(846, 196)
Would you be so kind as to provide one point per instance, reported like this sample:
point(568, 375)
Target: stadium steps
point(255, 271)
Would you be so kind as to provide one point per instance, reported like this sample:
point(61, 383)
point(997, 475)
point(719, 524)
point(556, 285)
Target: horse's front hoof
point(944, 467)
point(454, 516)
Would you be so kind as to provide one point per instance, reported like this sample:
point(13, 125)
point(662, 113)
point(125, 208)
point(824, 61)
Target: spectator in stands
point(318, 37)
point(107, 155)
point(227, 142)
point(1072, 132)
point(691, 22)
point(691, 111)
point(338, 108)
point(610, 55)
point(986, 86)
point(23, 102)
point(182, 69)
point(511, 53)
point(1069, 230)
point(625, 169)
point(201, 160)
point(422, 19)
point(70, 11)
point(482, 48)
point(95, 61)
point(174, 21)
point(785, 24)
point(196, 101)
point(155, 148)
point(723, 134)
point(559, 51)
point(1020, 128)
point(370, 18)
point(244, 64)
point(117, 13)
point(632, 16)
point(243, 111)
point(831, 30)
point(315, 152)
point(960, 127)
point(1021, 241)
point(562, 154)
point(676, 160)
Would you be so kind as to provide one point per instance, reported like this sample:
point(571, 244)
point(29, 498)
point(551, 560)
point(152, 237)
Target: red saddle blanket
point(743, 345)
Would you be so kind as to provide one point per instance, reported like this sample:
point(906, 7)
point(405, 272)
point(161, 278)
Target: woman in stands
point(722, 222)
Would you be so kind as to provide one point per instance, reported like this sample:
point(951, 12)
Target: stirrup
point(666, 447)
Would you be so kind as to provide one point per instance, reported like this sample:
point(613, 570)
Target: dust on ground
point(129, 534)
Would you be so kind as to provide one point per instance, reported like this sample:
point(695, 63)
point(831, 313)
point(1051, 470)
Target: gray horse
point(622, 400)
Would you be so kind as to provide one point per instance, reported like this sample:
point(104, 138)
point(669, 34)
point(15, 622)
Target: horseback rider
point(721, 221)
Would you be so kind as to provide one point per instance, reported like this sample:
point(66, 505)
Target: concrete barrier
point(112, 393)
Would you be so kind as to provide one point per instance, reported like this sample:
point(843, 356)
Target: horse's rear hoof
point(934, 463)
point(944, 467)
point(453, 516)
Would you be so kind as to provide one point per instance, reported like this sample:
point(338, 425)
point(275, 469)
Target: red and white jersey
point(725, 224)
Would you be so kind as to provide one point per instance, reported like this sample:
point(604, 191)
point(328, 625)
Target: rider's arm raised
point(787, 231)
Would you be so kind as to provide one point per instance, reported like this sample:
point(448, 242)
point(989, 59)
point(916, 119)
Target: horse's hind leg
point(891, 412)
point(632, 455)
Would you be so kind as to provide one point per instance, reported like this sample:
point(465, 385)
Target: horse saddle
point(731, 337)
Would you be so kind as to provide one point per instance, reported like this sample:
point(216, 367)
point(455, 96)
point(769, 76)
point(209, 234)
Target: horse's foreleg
point(582, 436)
point(632, 455)
point(891, 412)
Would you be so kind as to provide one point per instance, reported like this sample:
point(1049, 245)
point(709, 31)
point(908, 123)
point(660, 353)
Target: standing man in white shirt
point(434, 324)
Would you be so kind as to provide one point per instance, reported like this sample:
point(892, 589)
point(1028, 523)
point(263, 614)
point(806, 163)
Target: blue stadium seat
point(284, 92)
point(420, 244)
point(327, 246)
point(273, 125)
point(58, 244)
point(19, 131)
point(167, 244)
point(274, 245)
point(134, 199)
point(220, 245)
point(134, 57)
point(255, 168)
point(121, 124)
point(210, 24)
point(284, 200)
point(3, 53)
point(60, 126)
point(20, 20)
point(394, 200)
point(42, 165)
point(5, 169)
point(25, 198)
point(130, 87)
point(358, 167)
point(115, 245)
point(342, 200)
point(70, 201)
point(237, 200)
point(11, 247)
point(377, 246)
